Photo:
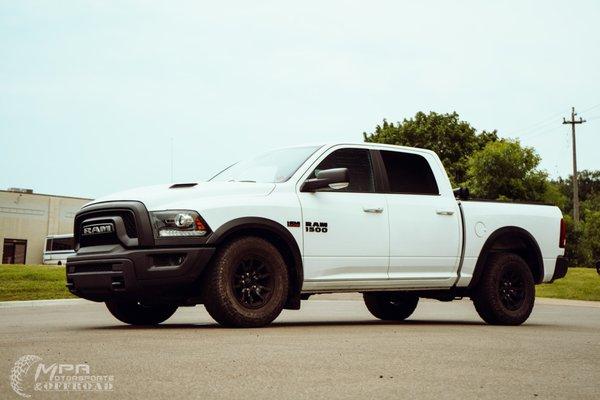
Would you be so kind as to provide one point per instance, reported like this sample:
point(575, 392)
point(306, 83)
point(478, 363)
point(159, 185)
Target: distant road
point(331, 349)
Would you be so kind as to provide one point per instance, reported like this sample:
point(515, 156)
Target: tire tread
point(218, 303)
point(486, 299)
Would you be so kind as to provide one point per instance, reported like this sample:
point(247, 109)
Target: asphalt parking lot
point(330, 349)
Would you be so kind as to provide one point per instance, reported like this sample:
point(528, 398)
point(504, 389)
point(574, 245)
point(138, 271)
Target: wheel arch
point(511, 239)
point(276, 234)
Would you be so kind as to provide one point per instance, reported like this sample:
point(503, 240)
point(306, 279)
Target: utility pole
point(573, 122)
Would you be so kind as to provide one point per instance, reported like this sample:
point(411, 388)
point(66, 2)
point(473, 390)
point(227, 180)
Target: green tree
point(583, 240)
point(591, 203)
point(591, 236)
point(589, 188)
point(554, 195)
point(505, 170)
point(576, 249)
point(452, 139)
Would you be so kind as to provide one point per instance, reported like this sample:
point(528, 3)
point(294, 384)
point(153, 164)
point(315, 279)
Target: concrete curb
point(38, 303)
point(564, 302)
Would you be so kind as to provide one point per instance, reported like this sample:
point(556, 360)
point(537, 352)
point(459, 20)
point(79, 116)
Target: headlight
point(178, 223)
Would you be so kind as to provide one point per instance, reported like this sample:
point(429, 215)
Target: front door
point(345, 230)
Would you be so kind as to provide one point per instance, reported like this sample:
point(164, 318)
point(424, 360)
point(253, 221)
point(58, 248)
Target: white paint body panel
point(356, 245)
point(407, 246)
point(424, 244)
point(542, 222)
point(425, 233)
point(350, 249)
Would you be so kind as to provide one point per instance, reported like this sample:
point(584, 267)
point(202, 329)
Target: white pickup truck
point(266, 233)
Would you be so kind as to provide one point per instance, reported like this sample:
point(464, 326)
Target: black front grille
point(127, 216)
point(130, 220)
point(84, 218)
point(98, 240)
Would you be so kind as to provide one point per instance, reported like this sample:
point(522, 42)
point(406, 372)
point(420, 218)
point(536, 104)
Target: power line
point(541, 128)
point(542, 122)
point(535, 128)
point(591, 108)
point(542, 132)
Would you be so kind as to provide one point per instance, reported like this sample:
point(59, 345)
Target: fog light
point(168, 260)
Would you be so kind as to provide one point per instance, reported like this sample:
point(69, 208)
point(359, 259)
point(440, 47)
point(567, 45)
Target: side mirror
point(334, 178)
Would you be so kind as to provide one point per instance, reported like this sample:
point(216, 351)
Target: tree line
point(495, 168)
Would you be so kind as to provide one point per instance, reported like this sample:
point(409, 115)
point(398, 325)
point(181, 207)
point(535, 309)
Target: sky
point(94, 94)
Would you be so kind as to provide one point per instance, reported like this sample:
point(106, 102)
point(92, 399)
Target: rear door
point(346, 235)
point(425, 232)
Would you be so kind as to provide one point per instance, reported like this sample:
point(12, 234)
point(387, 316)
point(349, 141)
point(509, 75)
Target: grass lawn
point(33, 282)
point(579, 284)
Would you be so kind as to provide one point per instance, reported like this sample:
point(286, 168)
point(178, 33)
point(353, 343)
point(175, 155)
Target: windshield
point(271, 167)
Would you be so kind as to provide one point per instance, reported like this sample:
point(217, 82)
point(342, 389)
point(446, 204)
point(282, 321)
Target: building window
point(14, 251)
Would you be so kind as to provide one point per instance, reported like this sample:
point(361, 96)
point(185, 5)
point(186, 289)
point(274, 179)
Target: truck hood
point(163, 197)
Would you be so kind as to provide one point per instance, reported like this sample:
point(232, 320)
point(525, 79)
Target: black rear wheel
point(505, 294)
point(136, 313)
point(391, 306)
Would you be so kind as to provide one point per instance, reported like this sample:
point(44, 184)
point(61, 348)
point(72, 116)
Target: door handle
point(374, 210)
point(444, 212)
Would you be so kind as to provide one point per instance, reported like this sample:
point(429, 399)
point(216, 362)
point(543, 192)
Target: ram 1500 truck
point(268, 232)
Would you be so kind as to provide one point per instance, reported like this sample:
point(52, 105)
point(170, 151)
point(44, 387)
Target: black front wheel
point(247, 284)
point(136, 313)
point(505, 293)
point(391, 306)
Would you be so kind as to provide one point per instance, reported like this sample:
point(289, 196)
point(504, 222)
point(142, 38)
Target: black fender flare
point(512, 231)
point(275, 230)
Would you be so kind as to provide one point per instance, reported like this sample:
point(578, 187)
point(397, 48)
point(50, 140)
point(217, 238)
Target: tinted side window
point(360, 171)
point(409, 173)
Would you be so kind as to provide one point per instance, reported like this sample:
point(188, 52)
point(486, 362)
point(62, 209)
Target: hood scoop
point(182, 185)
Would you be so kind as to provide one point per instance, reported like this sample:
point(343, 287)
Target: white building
point(26, 218)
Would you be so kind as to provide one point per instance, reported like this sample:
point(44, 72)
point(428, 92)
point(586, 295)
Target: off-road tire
point(220, 290)
point(135, 313)
point(391, 306)
point(493, 299)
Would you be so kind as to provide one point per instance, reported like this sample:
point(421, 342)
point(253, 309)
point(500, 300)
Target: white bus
point(58, 248)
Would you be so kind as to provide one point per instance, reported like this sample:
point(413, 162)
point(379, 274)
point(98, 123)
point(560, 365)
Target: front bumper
point(560, 268)
point(104, 273)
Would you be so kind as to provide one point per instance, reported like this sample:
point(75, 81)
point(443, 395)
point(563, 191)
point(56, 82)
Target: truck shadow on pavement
point(315, 324)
